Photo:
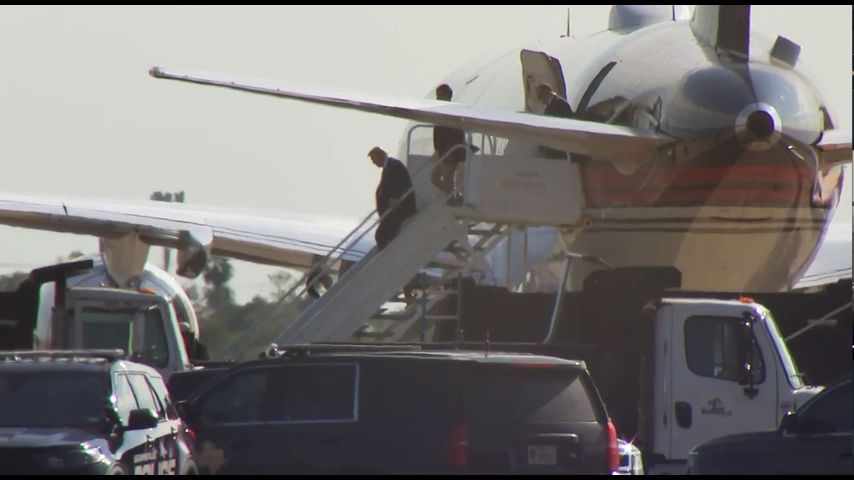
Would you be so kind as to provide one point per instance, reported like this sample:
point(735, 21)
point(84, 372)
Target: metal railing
point(324, 267)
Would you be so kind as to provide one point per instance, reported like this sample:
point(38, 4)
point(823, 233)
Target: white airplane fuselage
point(736, 202)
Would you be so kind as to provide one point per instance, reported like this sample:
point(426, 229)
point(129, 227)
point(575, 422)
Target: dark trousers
point(388, 228)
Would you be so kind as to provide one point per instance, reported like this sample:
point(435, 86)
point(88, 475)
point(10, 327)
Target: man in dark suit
point(555, 106)
point(444, 141)
point(393, 196)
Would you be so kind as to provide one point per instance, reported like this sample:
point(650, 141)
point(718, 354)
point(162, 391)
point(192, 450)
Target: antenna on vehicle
point(486, 345)
point(568, 24)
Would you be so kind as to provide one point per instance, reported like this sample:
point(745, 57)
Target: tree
point(218, 295)
point(11, 281)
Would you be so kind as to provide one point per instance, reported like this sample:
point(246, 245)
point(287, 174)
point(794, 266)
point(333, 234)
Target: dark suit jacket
point(394, 183)
point(446, 138)
point(559, 107)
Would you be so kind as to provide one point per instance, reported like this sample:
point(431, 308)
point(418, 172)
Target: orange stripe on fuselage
point(765, 185)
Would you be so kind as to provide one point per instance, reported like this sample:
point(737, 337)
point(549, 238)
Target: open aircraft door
point(538, 68)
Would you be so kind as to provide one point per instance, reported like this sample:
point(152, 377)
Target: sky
point(81, 117)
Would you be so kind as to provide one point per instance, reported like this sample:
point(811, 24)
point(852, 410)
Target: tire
point(119, 469)
point(190, 468)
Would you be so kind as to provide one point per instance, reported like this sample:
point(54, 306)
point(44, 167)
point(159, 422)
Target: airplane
point(699, 142)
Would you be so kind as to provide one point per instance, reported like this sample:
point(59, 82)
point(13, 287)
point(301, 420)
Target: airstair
point(388, 295)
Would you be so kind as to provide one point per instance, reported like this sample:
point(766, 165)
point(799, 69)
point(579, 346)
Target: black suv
point(815, 440)
point(87, 413)
point(315, 410)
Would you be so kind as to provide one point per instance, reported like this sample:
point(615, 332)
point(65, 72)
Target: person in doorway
point(554, 106)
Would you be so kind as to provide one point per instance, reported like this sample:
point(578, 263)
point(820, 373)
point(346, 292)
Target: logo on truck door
point(715, 406)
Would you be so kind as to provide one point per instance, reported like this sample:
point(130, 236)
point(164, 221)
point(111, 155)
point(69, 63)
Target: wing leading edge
point(288, 242)
point(578, 136)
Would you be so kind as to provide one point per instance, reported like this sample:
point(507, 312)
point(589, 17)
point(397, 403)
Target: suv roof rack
point(17, 355)
point(275, 351)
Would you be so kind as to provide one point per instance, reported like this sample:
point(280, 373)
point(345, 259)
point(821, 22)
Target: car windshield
point(52, 399)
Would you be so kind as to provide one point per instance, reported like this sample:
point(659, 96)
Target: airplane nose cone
point(757, 102)
point(760, 124)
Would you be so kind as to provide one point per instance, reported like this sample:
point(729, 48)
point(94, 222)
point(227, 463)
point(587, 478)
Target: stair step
point(361, 334)
point(402, 315)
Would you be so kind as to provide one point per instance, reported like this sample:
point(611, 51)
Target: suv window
point(397, 390)
point(831, 413)
point(125, 400)
point(144, 396)
point(236, 399)
point(287, 393)
point(534, 394)
point(711, 348)
point(52, 399)
point(162, 393)
point(298, 393)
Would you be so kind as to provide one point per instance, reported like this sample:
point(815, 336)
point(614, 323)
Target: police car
point(70, 412)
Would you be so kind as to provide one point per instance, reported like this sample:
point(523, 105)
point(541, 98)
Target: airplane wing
point(288, 242)
point(578, 136)
point(834, 148)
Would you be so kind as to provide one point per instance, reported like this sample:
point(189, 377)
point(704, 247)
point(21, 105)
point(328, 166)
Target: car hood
point(43, 437)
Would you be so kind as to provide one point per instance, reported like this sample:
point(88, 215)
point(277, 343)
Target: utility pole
point(167, 197)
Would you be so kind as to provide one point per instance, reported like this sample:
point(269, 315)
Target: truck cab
point(77, 305)
point(722, 368)
point(675, 368)
point(139, 323)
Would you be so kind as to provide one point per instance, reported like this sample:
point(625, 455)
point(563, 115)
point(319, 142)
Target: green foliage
point(239, 332)
point(11, 281)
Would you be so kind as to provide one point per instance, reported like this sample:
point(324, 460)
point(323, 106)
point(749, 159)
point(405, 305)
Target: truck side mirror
point(746, 365)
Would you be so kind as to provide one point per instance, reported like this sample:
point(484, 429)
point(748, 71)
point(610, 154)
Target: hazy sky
point(80, 116)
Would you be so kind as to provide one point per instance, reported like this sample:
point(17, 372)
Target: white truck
point(77, 306)
point(673, 370)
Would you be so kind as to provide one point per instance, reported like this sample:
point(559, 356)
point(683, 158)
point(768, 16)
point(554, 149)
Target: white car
point(631, 461)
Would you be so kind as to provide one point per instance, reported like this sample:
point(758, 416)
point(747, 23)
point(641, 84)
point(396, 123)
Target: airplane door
point(707, 400)
point(537, 68)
